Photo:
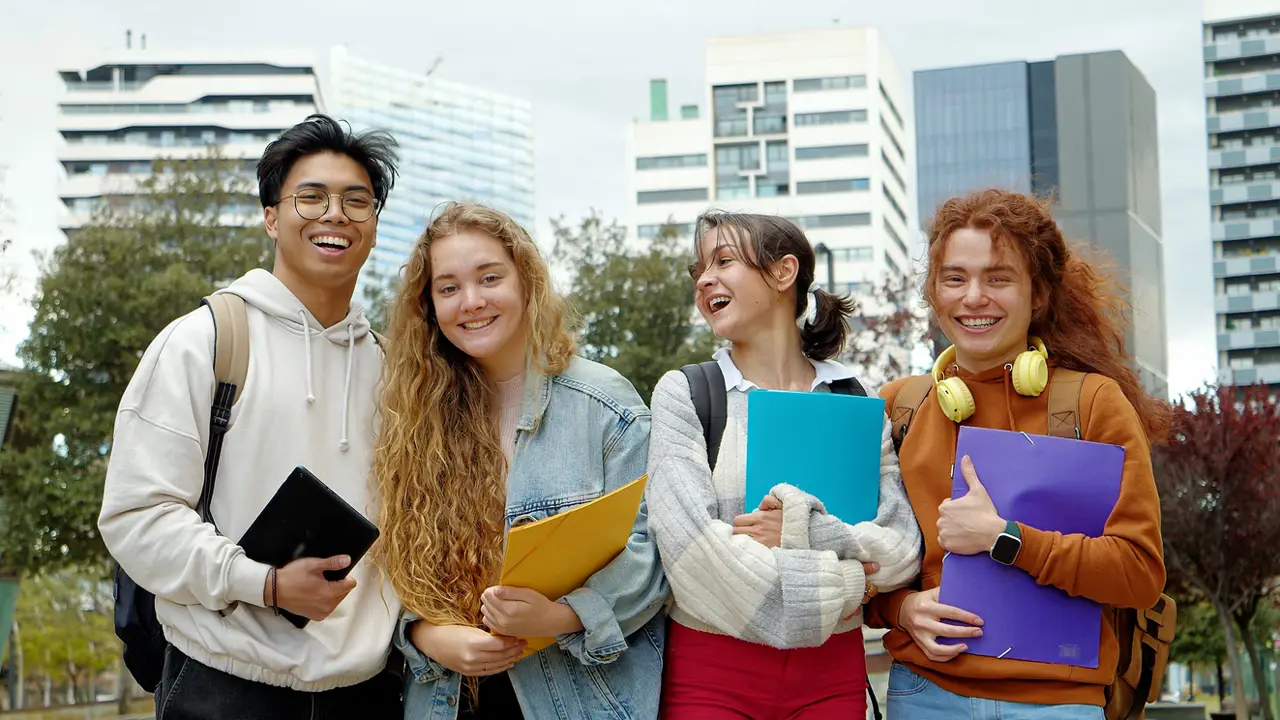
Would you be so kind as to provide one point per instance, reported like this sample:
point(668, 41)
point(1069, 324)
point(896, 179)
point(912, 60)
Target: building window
point(841, 82)
point(731, 120)
point(893, 203)
point(731, 161)
point(824, 152)
point(670, 162)
point(889, 133)
point(854, 254)
point(648, 197)
point(892, 108)
point(816, 187)
point(835, 117)
point(772, 118)
point(652, 231)
point(897, 240)
point(893, 266)
point(807, 222)
point(892, 170)
point(777, 179)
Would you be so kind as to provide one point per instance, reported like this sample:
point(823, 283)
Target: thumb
point(337, 562)
point(971, 476)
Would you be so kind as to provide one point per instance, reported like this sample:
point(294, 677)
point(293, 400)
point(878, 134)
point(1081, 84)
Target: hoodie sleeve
point(156, 472)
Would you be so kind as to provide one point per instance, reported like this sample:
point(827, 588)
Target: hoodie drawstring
point(1008, 396)
point(343, 444)
point(306, 339)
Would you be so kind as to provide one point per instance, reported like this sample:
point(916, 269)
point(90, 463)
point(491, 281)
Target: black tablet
point(306, 518)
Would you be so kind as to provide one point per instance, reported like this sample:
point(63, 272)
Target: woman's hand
point(921, 615)
point(521, 612)
point(466, 650)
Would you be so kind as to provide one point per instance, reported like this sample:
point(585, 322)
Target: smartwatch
point(1007, 545)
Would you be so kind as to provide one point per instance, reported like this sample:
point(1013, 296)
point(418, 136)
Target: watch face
point(1006, 549)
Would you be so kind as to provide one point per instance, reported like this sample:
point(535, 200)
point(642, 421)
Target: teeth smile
point(718, 302)
point(477, 324)
point(331, 241)
point(979, 322)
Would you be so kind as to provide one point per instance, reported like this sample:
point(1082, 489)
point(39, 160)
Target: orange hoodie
point(1124, 568)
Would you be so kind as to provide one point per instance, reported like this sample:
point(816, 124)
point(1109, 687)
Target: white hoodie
point(309, 399)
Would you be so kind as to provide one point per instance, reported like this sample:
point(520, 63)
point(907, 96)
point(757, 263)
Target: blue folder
point(827, 444)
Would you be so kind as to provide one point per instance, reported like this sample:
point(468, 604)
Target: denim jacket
point(581, 434)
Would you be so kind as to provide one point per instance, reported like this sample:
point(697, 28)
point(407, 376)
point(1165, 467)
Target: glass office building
point(457, 142)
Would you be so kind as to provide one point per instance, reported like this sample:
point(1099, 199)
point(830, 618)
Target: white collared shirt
point(825, 372)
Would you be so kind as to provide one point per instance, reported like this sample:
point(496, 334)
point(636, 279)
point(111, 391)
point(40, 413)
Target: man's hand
point(466, 650)
point(302, 589)
point(525, 613)
point(969, 525)
point(921, 616)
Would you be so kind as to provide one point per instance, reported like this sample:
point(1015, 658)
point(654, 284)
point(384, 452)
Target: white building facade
point(456, 142)
point(812, 126)
point(120, 110)
point(1242, 107)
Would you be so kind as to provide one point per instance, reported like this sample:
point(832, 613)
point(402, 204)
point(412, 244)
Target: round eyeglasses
point(357, 205)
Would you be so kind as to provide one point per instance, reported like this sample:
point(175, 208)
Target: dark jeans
point(192, 691)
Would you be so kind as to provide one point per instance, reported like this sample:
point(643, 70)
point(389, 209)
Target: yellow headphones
point(1030, 376)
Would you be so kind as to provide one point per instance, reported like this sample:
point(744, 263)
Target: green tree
point(634, 305)
point(142, 261)
point(67, 629)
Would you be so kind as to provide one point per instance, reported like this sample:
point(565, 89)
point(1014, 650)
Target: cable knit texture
point(797, 595)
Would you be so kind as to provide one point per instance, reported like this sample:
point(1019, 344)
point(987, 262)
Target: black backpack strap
point(706, 389)
point(848, 386)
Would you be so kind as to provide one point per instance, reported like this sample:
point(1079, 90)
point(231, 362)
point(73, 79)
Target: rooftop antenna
point(144, 41)
point(128, 39)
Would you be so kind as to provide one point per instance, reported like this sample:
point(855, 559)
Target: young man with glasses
point(309, 399)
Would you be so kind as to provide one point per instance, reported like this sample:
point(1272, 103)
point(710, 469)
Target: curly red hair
point(1082, 313)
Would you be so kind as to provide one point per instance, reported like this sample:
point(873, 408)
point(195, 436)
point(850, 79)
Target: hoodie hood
point(267, 293)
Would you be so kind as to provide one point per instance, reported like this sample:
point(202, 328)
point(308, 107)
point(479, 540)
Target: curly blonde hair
point(438, 463)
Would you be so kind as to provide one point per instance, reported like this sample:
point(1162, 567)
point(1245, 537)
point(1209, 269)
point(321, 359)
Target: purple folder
point(1048, 483)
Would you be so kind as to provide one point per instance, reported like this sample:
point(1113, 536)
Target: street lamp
point(822, 249)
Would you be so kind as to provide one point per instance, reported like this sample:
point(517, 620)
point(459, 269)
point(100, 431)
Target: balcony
point(1246, 266)
point(1238, 49)
point(1257, 301)
point(1245, 192)
point(1269, 374)
point(1261, 82)
point(1221, 230)
point(1250, 120)
point(1248, 339)
point(1243, 157)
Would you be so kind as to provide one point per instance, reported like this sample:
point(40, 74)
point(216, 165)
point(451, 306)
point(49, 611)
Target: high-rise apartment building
point(1242, 108)
point(812, 126)
point(1081, 128)
point(457, 142)
point(120, 109)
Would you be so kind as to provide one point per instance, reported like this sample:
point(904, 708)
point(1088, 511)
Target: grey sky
point(586, 66)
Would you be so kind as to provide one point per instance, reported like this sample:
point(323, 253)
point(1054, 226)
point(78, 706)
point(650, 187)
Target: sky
point(586, 66)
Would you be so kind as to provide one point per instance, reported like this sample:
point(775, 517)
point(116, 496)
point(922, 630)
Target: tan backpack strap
point(905, 405)
point(1064, 403)
point(230, 340)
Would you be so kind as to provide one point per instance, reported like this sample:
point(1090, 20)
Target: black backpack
point(135, 607)
point(706, 389)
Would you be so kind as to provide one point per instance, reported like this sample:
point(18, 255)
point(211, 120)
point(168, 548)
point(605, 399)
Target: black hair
point(374, 150)
point(773, 238)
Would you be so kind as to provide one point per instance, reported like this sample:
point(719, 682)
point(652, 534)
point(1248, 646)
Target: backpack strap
point(905, 405)
point(1064, 403)
point(706, 389)
point(230, 368)
point(848, 386)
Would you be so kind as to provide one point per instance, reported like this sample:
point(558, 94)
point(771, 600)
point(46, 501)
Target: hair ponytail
point(824, 337)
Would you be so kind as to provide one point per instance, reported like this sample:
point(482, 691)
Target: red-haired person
point(1008, 292)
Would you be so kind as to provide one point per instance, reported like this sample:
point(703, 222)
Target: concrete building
point(812, 126)
point(1242, 113)
point(120, 109)
point(457, 142)
point(1081, 128)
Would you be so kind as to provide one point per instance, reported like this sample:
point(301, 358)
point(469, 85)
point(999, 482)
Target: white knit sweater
point(797, 595)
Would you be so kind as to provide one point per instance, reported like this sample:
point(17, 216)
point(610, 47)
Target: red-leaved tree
point(1219, 481)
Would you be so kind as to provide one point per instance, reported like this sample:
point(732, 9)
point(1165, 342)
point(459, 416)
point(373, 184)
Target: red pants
point(716, 677)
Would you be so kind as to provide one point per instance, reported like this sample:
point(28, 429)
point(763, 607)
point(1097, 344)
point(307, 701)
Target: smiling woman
point(490, 416)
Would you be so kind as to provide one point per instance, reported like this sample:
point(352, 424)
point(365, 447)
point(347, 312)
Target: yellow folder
point(556, 555)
